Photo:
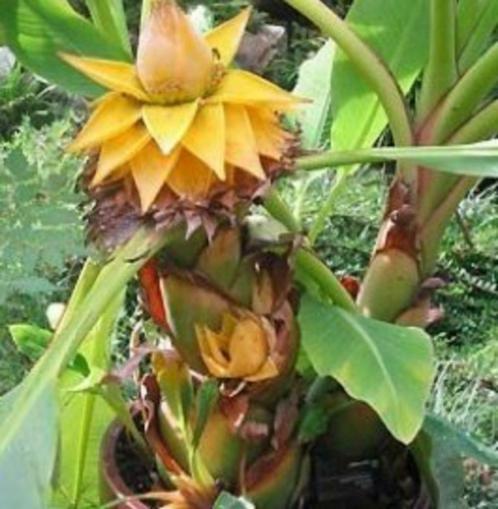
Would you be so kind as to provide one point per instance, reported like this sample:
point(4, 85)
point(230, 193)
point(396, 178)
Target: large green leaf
point(110, 17)
point(26, 464)
point(389, 367)
point(31, 416)
point(314, 83)
point(85, 417)
point(398, 31)
point(37, 30)
point(439, 450)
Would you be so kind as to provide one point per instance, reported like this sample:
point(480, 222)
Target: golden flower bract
point(180, 117)
point(241, 349)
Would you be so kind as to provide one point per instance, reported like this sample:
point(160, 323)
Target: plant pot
point(112, 479)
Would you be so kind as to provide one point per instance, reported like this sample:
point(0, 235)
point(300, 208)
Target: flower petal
point(120, 150)
point(242, 87)
point(225, 39)
point(210, 353)
point(114, 115)
point(190, 178)
point(206, 138)
point(150, 170)
point(117, 76)
point(241, 148)
point(168, 124)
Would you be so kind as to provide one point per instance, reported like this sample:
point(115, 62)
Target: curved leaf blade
point(37, 31)
point(85, 417)
point(110, 17)
point(398, 32)
point(314, 83)
point(27, 463)
point(389, 367)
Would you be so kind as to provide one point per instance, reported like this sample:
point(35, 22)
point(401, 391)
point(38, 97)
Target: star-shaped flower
point(180, 118)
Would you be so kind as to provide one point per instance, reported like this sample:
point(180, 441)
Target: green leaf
point(314, 83)
point(26, 464)
point(85, 417)
point(439, 450)
point(110, 17)
point(389, 367)
point(314, 422)
point(398, 32)
point(207, 396)
point(227, 501)
point(30, 340)
point(36, 31)
point(40, 220)
point(28, 423)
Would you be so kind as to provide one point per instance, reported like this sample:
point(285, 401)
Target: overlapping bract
point(180, 119)
point(221, 406)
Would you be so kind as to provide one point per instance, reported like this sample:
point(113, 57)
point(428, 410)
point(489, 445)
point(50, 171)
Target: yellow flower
point(241, 349)
point(180, 117)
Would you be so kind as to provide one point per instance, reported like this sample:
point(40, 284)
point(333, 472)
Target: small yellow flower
point(241, 349)
point(180, 117)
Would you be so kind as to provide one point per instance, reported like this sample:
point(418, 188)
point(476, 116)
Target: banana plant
point(268, 356)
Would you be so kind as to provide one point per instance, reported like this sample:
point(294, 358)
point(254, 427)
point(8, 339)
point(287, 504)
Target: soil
point(138, 474)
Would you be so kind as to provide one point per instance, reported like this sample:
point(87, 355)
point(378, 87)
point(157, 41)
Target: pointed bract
point(168, 124)
point(150, 170)
point(120, 150)
point(225, 39)
point(116, 76)
point(241, 148)
point(114, 115)
point(206, 138)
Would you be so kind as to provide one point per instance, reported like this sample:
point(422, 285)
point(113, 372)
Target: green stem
point(367, 63)
point(278, 209)
point(312, 267)
point(466, 96)
point(483, 126)
point(86, 279)
point(477, 21)
point(326, 209)
point(441, 70)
